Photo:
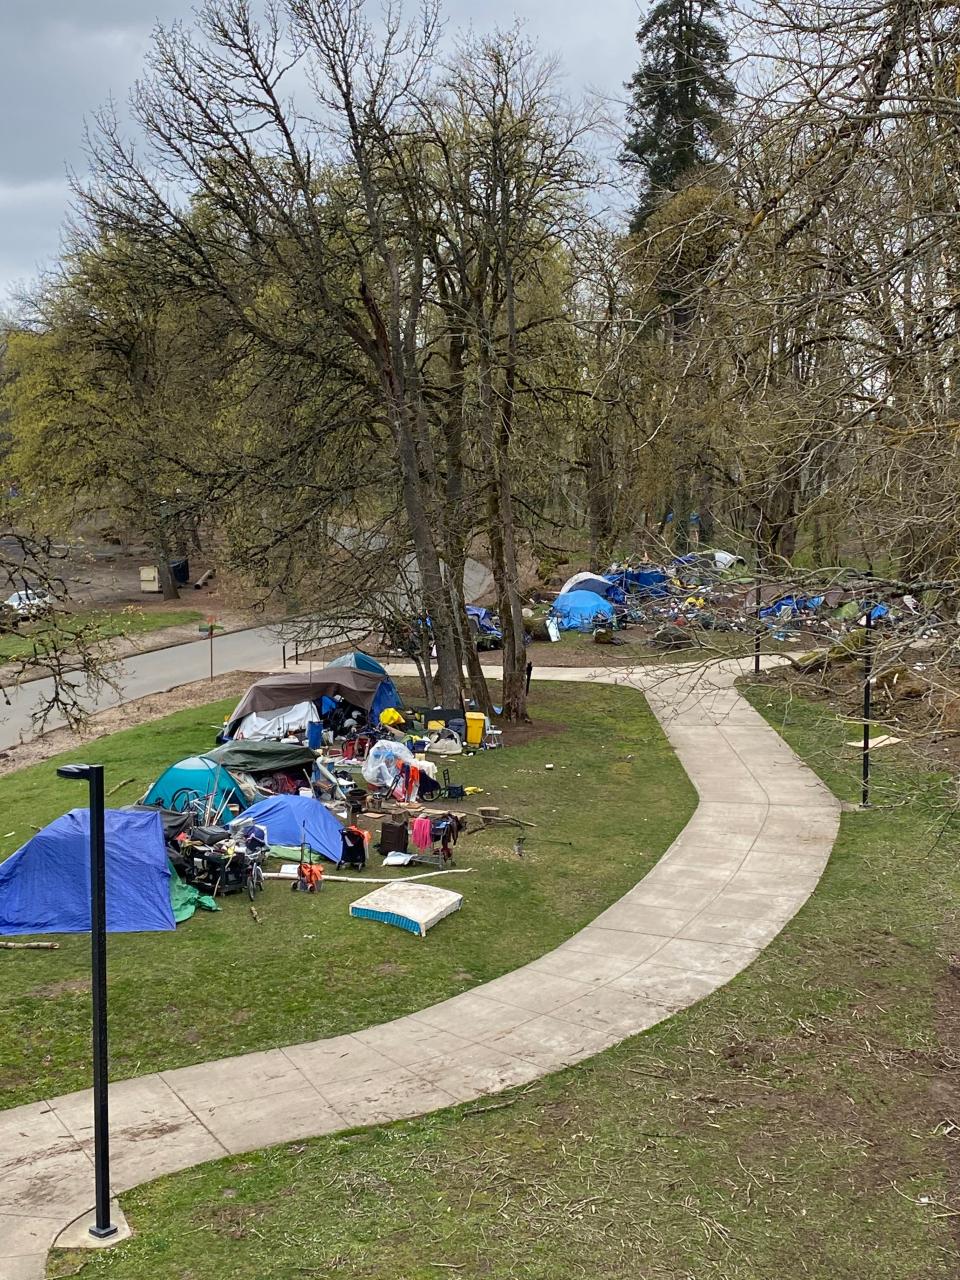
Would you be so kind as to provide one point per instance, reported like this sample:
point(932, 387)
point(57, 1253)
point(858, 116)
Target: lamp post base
point(103, 1233)
point(82, 1233)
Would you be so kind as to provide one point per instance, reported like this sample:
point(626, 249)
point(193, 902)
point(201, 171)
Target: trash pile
point(713, 590)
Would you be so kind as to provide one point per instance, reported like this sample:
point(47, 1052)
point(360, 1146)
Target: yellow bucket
point(476, 727)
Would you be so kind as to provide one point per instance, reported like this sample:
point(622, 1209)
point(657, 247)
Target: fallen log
point(29, 946)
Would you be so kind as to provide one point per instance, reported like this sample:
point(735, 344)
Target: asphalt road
point(146, 673)
point(161, 669)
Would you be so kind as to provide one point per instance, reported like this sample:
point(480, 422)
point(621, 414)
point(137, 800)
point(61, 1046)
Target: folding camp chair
point(451, 790)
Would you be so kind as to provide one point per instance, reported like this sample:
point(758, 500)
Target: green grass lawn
point(222, 985)
point(94, 624)
point(799, 1123)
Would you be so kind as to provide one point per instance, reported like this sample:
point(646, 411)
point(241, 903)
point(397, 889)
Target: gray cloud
point(60, 60)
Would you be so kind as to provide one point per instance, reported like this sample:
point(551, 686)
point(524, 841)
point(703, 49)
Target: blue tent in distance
point(579, 610)
point(45, 885)
point(292, 820)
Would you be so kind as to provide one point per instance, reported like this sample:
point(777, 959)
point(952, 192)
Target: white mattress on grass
point(414, 907)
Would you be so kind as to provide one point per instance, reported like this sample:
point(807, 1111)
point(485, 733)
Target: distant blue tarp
point(792, 605)
point(45, 886)
point(581, 610)
point(652, 583)
point(484, 618)
point(292, 820)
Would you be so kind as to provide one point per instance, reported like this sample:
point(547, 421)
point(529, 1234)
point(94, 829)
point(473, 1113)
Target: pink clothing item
point(421, 834)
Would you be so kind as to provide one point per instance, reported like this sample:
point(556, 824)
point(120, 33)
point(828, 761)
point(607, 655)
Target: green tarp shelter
point(261, 757)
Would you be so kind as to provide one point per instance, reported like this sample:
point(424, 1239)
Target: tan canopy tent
point(288, 688)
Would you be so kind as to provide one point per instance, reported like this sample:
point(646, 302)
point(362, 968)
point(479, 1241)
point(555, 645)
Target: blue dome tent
point(581, 610)
point(195, 777)
point(360, 661)
point(45, 885)
point(292, 820)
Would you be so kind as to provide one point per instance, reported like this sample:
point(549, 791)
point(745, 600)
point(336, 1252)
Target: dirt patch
point(233, 1220)
point(389, 970)
point(916, 722)
point(51, 990)
point(521, 735)
point(141, 711)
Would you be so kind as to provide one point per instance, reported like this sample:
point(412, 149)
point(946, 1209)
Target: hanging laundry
point(422, 834)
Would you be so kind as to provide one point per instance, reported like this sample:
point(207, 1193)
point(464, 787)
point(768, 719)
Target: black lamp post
point(103, 1228)
point(867, 708)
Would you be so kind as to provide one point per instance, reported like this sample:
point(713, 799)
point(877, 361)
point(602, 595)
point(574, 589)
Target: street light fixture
point(92, 774)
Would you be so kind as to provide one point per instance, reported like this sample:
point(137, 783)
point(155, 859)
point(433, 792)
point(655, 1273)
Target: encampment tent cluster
point(299, 758)
point(715, 590)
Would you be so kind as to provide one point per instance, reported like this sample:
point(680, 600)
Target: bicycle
point(253, 878)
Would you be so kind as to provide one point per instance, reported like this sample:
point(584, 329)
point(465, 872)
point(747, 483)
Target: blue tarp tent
point(359, 660)
point(386, 696)
point(651, 583)
point(291, 820)
point(45, 886)
point(193, 778)
point(580, 610)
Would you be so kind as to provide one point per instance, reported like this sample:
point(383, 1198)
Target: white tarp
point(260, 726)
point(414, 907)
point(587, 581)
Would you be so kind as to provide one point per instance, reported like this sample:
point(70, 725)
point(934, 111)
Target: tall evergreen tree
point(679, 95)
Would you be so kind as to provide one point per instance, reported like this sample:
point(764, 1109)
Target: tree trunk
point(501, 535)
point(168, 584)
point(455, 518)
point(433, 588)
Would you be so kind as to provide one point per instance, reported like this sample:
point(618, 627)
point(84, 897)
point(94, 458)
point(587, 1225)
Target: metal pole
point(867, 709)
point(98, 936)
point(284, 650)
point(756, 634)
point(211, 653)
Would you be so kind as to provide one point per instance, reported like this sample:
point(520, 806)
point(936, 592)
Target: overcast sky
point(61, 59)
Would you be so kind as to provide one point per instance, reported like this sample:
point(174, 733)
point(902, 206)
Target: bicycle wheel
point(254, 881)
point(185, 798)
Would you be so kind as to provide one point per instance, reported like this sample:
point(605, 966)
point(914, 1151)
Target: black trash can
point(180, 571)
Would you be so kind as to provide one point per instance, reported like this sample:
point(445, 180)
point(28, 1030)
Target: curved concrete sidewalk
point(747, 860)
